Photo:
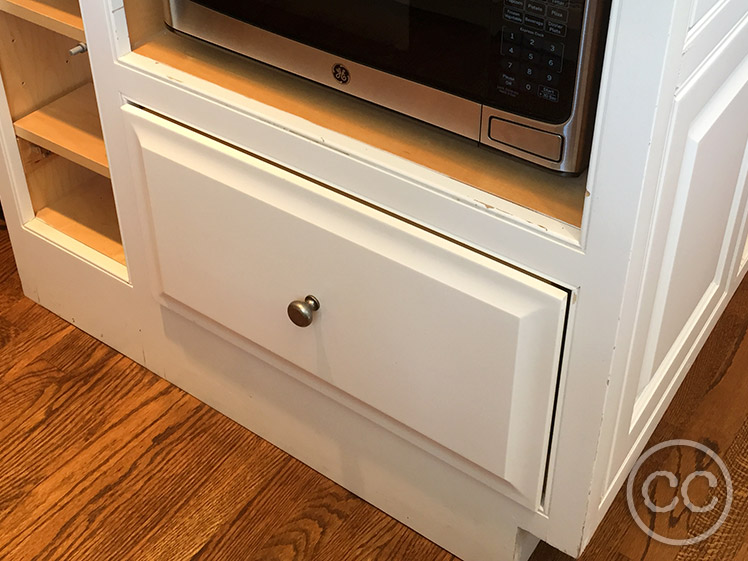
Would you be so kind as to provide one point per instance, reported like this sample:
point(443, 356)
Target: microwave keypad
point(537, 43)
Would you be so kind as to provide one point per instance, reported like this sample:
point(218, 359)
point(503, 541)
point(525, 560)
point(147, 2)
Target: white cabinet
point(692, 243)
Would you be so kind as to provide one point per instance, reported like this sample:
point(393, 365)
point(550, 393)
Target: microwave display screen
point(515, 55)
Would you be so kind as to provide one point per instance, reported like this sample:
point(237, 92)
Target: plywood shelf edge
point(70, 127)
point(60, 16)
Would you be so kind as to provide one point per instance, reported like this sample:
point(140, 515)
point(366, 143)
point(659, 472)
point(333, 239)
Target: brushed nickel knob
point(302, 313)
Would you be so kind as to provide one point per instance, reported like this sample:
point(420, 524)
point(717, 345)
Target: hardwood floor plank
point(67, 424)
point(60, 517)
point(286, 524)
point(60, 427)
point(39, 330)
point(371, 535)
point(11, 292)
point(8, 332)
point(7, 260)
point(727, 540)
point(80, 353)
point(163, 469)
point(216, 504)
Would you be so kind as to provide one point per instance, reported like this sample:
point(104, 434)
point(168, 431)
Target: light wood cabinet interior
point(60, 16)
point(72, 199)
point(70, 127)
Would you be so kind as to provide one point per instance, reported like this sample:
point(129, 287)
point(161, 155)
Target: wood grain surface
point(89, 215)
point(70, 127)
point(72, 199)
point(103, 460)
point(60, 16)
point(36, 66)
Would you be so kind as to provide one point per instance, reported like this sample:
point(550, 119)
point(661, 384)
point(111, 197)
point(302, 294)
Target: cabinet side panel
point(691, 248)
point(698, 251)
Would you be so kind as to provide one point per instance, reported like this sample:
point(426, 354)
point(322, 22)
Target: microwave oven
point(520, 76)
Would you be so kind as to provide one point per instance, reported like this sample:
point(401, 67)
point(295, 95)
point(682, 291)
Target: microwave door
point(442, 44)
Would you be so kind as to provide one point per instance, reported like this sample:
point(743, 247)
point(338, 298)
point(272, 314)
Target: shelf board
point(550, 194)
point(88, 214)
point(70, 127)
point(60, 16)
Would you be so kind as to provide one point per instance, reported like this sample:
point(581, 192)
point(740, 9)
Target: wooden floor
point(102, 460)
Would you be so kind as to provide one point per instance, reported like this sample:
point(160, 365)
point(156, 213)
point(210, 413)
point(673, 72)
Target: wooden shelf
point(88, 214)
point(550, 194)
point(69, 127)
point(60, 16)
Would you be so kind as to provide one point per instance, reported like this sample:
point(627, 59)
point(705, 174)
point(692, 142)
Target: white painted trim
point(78, 249)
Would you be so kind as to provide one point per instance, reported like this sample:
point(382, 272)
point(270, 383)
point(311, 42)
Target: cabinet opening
point(560, 198)
point(72, 199)
point(37, 66)
point(50, 92)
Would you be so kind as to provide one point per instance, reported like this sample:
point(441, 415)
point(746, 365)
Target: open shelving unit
point(52, 103)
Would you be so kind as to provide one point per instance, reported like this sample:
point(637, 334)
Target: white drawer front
point(456, 346)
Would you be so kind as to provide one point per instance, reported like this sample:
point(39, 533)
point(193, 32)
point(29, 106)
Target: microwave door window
point(444, 44)
point(450, 45)
point(336, 22)
point(332, 23)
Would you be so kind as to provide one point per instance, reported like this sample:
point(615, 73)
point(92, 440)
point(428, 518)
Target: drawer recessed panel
point(451, 344)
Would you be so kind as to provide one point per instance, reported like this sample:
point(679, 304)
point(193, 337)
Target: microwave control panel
point(535, 46)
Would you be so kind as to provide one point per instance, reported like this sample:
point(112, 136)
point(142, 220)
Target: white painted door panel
point(692, 245)
point(714, 154)
point(714, 23)
point(700, 9)
point(698, 250)
point(457, 346)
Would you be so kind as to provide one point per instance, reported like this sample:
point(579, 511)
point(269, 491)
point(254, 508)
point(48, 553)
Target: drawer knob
point(302, 313)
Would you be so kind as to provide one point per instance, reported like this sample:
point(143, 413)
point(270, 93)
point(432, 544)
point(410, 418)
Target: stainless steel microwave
point(517, 75)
